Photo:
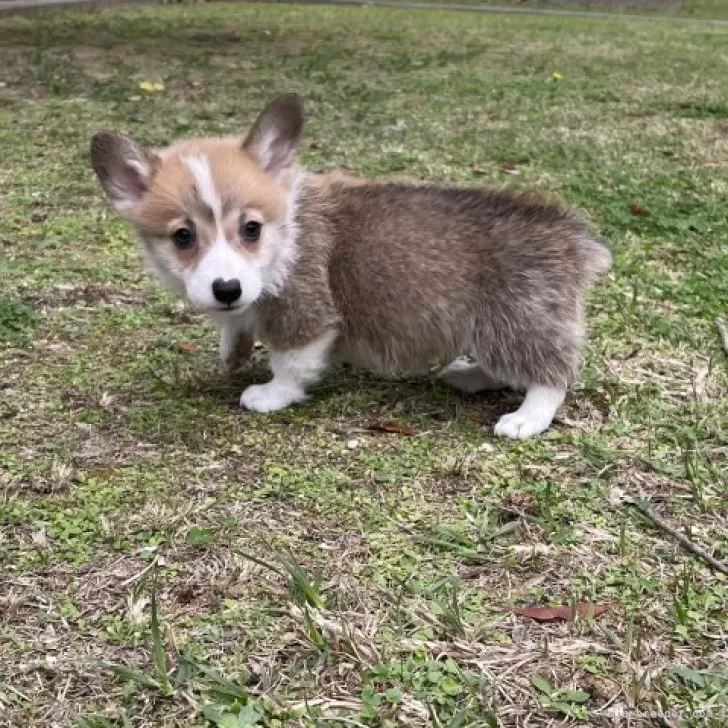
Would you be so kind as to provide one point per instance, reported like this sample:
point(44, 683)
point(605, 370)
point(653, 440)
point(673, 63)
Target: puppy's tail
point(597, 257)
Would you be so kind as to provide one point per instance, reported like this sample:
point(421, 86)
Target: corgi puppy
point(389, 276)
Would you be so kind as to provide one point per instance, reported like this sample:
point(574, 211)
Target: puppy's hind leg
point(534, 415)
point(543, 360)
point(468, 377)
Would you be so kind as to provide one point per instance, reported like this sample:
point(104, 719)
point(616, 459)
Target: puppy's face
point(215, 215)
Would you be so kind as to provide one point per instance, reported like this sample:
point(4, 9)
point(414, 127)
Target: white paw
point(467, 377)
point(519, 426)
point(269, 397)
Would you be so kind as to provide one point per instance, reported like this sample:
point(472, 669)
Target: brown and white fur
point(385, 275)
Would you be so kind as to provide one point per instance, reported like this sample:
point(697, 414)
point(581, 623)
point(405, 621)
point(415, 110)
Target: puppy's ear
point(274, 138)
point(124, 168)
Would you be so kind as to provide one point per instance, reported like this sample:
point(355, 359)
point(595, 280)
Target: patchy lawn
point(701, 9)
point(308, 570)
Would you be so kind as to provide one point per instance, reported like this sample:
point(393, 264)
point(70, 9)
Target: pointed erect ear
point(274, 138)
point(124, 169)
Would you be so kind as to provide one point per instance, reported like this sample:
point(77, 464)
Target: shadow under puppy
point(388, 276)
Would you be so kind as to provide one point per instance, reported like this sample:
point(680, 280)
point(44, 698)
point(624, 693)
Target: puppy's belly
point(386, 359)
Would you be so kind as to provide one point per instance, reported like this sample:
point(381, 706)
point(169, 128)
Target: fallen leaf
point(393, 427)
point(510, 168)
point(556, 76)
point(561, 614)
point(151, 86)
point(186, 347)
point(517, 500)
point(638, 210)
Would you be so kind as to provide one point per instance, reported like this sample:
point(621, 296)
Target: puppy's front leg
point(293, 371)
point(236, 344)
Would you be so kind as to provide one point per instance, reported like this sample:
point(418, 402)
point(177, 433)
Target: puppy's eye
point(251, 230)
point(184, 237)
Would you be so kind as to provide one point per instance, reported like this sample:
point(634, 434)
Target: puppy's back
point(422, 272)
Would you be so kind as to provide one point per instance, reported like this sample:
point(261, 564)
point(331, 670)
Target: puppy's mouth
point(229, 308)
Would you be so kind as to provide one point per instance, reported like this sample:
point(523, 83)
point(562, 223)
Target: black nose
point(226, 291)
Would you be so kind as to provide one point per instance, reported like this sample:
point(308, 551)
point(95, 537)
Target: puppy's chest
point(300, 313)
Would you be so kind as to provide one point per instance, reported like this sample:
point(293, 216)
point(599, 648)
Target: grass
point(171, 561)
point(679, 9)
point(698, 9)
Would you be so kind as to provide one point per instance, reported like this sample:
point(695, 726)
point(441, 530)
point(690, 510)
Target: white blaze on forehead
point(200, 168)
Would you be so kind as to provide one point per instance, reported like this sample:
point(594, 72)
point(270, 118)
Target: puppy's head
point(215, 215)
